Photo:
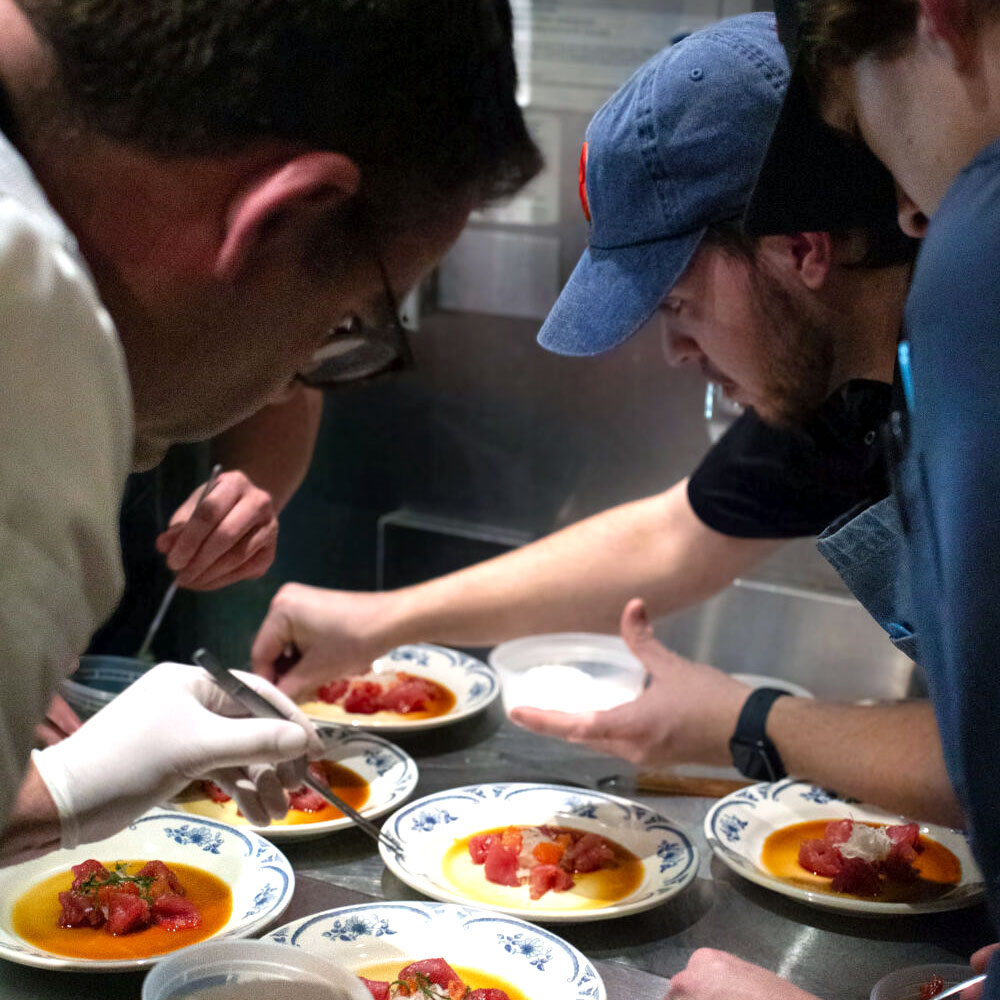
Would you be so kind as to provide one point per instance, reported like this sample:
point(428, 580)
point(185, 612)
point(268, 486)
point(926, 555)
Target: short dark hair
point(884, 246)
point(419, 93)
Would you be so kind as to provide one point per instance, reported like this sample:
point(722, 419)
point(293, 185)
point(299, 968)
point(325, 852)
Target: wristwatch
point(754, 755)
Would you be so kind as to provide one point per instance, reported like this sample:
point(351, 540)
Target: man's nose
point(912, 221)
point(679, 350)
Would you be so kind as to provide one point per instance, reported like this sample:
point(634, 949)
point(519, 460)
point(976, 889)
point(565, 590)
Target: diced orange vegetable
point(512, 838)
point(548, 853)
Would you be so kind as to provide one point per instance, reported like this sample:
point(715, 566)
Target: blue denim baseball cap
point(675, 150)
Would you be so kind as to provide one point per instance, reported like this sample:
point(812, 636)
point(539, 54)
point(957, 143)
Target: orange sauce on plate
point(440, 703)
point(591, 890)
point(939, 871)
point(347, 784)
point(35, 918)
point(387, 972)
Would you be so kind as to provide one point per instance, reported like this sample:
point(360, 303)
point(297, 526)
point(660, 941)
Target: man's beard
point(797, 352)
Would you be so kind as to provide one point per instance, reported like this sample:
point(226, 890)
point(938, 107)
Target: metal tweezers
point(257, 705)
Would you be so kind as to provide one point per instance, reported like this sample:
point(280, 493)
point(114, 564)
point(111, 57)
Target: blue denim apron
point(867, 548)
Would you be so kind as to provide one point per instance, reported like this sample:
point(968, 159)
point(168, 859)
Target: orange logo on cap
point(584, 201)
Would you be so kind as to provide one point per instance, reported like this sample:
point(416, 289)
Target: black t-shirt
point(761, 481)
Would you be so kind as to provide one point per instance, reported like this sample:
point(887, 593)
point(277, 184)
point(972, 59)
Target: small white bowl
point(98, 679)
point(904, 984)
point(567, 671)
point(262, 966)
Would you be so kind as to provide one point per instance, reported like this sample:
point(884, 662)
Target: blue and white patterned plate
point(737, 826)
point(259, 875)
point(530, 959)
point(428, 827)
point(390, 772)
point(474, 684)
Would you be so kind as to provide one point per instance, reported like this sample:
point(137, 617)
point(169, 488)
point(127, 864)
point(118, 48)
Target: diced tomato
point(332, 691)
point(79, 909)
point(175, 913)
point(487, 995)
point(213, 791)
point(164, 879)
point(512, 839)
point(305, 800)
point(501, 864)
point(106, 894)
point(839, 831)
point(378, 989)
point(437, 970)
point(820, 857)
point(126, 912)
point(857, 877)
point(363, 698)
point(548, 853)
point(545, 877)
point(479, 847)
point(589, 854)
point(905, 833)
point(411, 695)
point(931, 988)
point(85, 869)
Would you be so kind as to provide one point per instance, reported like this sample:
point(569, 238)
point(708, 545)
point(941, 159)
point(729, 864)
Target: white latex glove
point(171, 726)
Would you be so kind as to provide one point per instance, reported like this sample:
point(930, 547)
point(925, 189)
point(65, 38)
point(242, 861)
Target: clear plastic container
point(98, 679)
point(249, 970)
point(904, 984)
point(567, 671)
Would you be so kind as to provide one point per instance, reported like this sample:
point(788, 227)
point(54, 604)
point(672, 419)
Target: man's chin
point(147, 454)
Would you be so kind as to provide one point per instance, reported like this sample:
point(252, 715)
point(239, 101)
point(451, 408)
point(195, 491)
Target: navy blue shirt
point(951, 493)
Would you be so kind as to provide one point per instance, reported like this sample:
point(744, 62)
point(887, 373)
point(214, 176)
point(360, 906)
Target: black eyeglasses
point(359, 351)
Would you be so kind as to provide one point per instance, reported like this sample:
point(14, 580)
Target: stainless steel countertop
point(835, 957)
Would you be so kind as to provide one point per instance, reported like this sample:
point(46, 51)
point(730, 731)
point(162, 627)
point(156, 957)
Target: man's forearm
point(580, 577)
point(33, 829)
point(888, 754)
point(274, 446)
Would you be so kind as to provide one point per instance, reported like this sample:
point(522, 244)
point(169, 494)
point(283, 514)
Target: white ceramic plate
point(474, 684)
point(390, 772)
point(428, 827)
point(259, 875)
point(737, 825)
point(533, 960)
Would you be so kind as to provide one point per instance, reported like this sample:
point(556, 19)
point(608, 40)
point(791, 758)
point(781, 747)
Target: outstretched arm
point(576, 578)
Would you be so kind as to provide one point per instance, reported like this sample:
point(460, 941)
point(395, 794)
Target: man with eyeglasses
point(193, 194)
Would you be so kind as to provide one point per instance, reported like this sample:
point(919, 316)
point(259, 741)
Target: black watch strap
point(754, 755)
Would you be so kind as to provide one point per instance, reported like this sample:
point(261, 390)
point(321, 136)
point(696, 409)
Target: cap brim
point(813, 179)
point(612, 293)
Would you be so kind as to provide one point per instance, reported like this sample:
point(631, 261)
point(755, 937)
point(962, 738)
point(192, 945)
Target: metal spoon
point(143, 653)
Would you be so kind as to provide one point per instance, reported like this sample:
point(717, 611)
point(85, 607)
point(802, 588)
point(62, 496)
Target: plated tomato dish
point(537, 860)
point(122, 909)
point(384, 694)
point(206, 798)
point(893, 863)
point(435, 979)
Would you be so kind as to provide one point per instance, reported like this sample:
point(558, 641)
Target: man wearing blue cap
point(668, 167)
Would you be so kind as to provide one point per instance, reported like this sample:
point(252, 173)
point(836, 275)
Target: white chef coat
point(65, 450)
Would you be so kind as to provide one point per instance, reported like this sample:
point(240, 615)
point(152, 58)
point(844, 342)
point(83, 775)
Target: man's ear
point(806, 256)
point(948, 27)
point(285, 188)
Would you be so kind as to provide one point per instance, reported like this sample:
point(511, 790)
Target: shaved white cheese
point(866, 842)
point(427, 990)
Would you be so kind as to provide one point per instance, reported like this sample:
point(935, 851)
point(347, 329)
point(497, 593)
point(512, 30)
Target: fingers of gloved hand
point(222, 742)
point(291, 773)
point(216, 700)
point(243, 790)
